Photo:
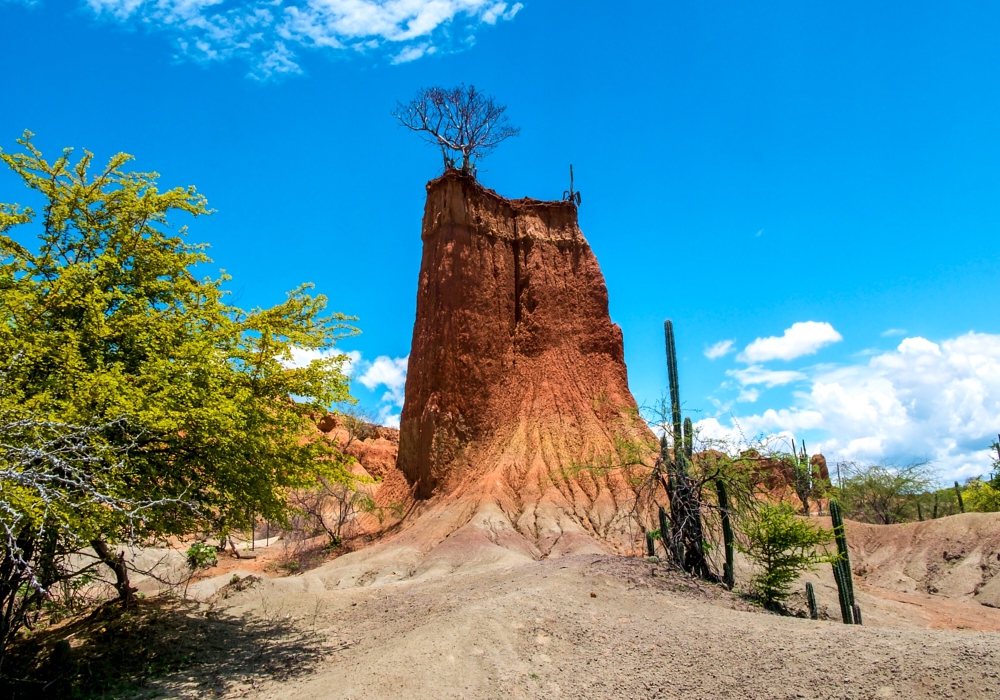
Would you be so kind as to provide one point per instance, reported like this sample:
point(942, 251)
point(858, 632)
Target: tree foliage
point(782, 546)
point(883, 494)
point(191, 405)
point(463, 122)
point(981, 496)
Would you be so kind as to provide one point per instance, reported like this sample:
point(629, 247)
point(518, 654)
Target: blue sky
point(816, 183)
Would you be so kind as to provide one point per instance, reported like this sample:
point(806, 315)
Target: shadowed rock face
point(516, 372)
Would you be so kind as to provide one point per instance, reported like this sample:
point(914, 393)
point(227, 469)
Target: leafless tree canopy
point(461, 121)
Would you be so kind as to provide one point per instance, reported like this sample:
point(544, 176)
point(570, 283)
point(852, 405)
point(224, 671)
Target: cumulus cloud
point(390, 373)
point(301, 357)
point(803, 338)
point(923, 400)
point(755, 374)
point(720, 349)
point(267, 33)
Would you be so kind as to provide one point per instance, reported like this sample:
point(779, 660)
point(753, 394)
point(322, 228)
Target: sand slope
point(534, 630)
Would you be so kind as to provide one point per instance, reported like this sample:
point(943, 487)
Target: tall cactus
point(728, 571)
point(675, 396)
point(650, 544)
point(673, 545)
point(842, 566)
point(845, 603)
point(685, 508)
point(958, 492)
point(688, 442)
point(802, 476)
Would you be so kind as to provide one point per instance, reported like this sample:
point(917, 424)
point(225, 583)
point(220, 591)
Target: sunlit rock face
point(517, 392)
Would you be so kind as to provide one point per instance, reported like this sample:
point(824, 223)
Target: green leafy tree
point(196, 417)
point(781, 546)
point(981, 496)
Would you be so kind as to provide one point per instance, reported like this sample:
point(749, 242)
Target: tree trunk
point(116, 562)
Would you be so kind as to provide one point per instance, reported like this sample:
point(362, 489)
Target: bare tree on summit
point(461, 121)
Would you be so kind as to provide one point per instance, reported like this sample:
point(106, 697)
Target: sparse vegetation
point(882, 493)
point(782, 546)
point(332, 508)
point(463, 122)
point(359, 423)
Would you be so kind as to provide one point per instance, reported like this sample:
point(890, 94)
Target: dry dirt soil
point(583, 626)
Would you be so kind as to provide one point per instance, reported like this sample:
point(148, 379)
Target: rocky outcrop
point(517, 389)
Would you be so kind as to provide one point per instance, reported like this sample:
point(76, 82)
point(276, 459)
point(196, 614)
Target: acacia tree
point(463, 122)
point(881, 493)
point(187, 399)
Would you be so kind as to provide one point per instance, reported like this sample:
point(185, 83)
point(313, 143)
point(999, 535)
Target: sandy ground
point(588, 626)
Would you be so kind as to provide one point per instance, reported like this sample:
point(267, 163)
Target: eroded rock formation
point(517, 390)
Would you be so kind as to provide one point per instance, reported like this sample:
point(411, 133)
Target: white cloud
point(755, 374)
point(803, 338)
point(390, 373)
point(389, 418)
point(889, 332)
point(923, 400)
point(412, 53)
point(301, 357)
point(267, 33)
point(748, 395)
point(723, 347)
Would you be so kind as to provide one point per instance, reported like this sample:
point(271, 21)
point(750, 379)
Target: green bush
point(201, 555)
point(781, 545)
point(981, 496)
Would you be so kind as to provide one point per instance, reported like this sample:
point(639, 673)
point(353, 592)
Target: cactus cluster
point(849, 609)
point(802, 475)
point(687, 544)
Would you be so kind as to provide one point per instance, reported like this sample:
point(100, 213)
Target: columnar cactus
point(664, 529)
point(689, 442)
point(728, 571)
point(685, 508)
point(845, 603)
point(842, 567)
point(802, 476)
point(958, 492)
point(811, 599)
point(650, 544)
